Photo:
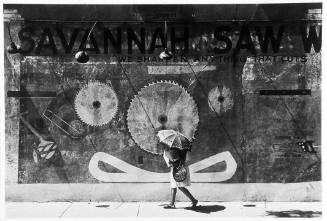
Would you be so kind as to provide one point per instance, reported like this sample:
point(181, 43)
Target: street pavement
point(150, 209)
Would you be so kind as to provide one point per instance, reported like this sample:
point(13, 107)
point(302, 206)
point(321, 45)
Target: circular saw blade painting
point(220, 99)
point(96, 104)
point(161, 102)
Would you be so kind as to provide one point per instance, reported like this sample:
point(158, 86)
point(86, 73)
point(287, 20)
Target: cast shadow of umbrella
point(207, 209)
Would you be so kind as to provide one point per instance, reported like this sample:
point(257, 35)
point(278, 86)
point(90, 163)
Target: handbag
point(179, 172)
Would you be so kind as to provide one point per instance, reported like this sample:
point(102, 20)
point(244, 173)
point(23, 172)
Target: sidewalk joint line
point(119, 205)
point(138, 210)
point(71, 203)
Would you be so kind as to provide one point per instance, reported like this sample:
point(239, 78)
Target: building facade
point(243, 83)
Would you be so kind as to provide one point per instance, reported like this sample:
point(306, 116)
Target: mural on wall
point(249, 101)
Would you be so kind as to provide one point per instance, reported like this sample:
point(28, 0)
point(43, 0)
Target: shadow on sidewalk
point(206, 209)
point(102, 206)
point(294, 213)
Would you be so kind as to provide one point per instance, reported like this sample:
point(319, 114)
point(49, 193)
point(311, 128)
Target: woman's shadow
point(207, 208)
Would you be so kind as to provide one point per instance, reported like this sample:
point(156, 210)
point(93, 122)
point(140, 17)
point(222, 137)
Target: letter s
point(26, 40)
point(220, 37)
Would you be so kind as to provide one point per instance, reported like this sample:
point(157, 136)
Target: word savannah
point(180, 40)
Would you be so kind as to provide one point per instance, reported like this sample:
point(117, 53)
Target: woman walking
point(175, 157)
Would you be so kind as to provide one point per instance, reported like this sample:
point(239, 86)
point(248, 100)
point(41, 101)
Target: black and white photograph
point(162, 110)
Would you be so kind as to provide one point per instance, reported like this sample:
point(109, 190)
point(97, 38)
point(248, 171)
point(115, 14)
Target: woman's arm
point(166, 156)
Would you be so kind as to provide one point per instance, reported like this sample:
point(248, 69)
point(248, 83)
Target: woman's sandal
point(194, 203)
point(169, 206)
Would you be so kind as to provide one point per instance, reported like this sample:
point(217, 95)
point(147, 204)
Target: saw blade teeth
point(150, 84)
point(185, 90)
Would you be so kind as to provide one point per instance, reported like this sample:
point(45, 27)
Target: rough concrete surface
point(305, 191)
point(155, 209)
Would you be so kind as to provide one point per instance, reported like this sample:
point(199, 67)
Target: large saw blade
point(96, 103)
point(161, 100)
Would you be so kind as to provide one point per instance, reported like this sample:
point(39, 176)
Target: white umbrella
point(172, 138)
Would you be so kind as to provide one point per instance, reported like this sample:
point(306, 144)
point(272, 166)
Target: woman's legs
point(173, 196)
point(171, 205)
point(188, 194)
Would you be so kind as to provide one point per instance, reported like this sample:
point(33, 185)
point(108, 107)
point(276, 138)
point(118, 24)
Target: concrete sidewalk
point(148, 209)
